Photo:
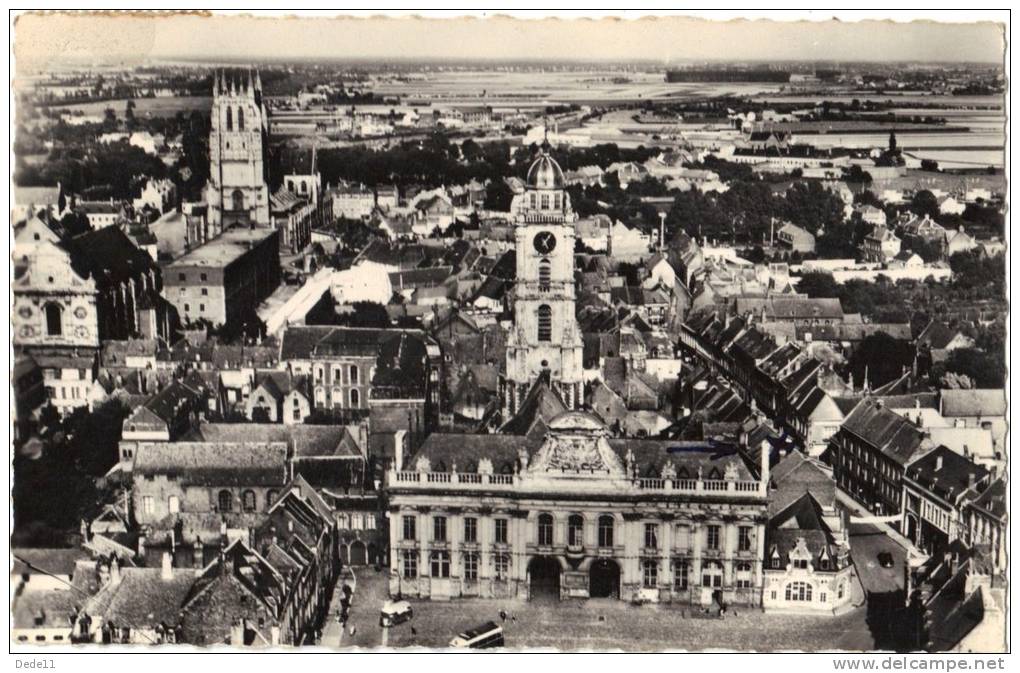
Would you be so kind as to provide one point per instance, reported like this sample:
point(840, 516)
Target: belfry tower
point(545, 342)
point(238, 189)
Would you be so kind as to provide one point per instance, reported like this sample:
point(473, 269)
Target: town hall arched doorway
point(604, 579)
point(359, 553)
point(544, 578)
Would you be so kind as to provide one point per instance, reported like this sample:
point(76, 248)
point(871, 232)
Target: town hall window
point(439, 528)
point(544, 323)
point(440, 564)
point(410, 564)
point(744, 538)
point(354, 375)
point(501, 531)
point(225, 501)
point(54, 320)
point(248, 501)
point(470, 529)
point(681, 573)
point(649, 574)
point(409, 527)
point(230, 119)
point(240, 119)
point(711, 574)
point(501, 562)
point(471, 566)
point(355, 399)
point(605, 531)
point(743, 575)
point(713, 537)
point(575, 530)
point(545, 529)
point(651, 536)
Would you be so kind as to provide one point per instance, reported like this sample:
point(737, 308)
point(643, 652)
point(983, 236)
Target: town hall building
point(578, 514)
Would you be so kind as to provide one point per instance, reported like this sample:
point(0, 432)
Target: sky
point(44, 39)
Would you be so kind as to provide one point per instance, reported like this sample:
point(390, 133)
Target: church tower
point(238, 190)
point(545, 342)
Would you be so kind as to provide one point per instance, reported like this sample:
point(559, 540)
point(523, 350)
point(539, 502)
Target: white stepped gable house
point(577, 514)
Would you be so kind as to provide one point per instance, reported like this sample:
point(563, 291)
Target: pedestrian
point(414, 632)
point(354, 630)
point(513, 618)
point(502, 615)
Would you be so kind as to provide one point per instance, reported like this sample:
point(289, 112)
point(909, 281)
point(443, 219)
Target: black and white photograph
point(509, 330)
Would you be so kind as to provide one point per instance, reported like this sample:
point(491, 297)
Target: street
point(598, 624)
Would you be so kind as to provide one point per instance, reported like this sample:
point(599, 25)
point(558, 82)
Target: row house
point(355, 371)
point(936, 489)
point(871, 452)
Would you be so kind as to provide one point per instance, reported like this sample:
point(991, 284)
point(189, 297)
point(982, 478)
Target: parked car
point(485, 636)
point(395, 612)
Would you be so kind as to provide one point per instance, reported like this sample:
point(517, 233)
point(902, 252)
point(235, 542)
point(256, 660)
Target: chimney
point(398, 449)
point(938, 463)
point(115, 571)
point(237, 633)
point(166, 572)
point(766, 450)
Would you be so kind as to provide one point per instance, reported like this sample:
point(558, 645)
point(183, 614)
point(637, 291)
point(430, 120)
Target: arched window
point(338, 397)
point(575, 530)
point(225, 501)
point(248, 501)
point(544, 274)
point(290, 186)
point(304, 187)
point(711, 574)
point(355, 399)
point(545, 529)
point(54, 320)
point(605, 531)
point(230, 119)
point(544, 323)
point(240, 119)
point(354, 375)
point(798, 591)
point(271, 497)
point(237, 199)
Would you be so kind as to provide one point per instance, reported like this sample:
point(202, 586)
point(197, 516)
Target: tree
point(986, 370)
point(881, 357)
point(929, 165)
point(818, 284)
point(924, 203)
point(498, 196)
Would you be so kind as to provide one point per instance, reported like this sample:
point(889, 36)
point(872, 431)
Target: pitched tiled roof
point(946, 473)
point(884, 429)
point(542, 402)
point(303, 439)
point(250, 463)
point(987, 402)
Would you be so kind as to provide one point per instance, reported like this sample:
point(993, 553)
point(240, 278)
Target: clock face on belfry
point(544, 242)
